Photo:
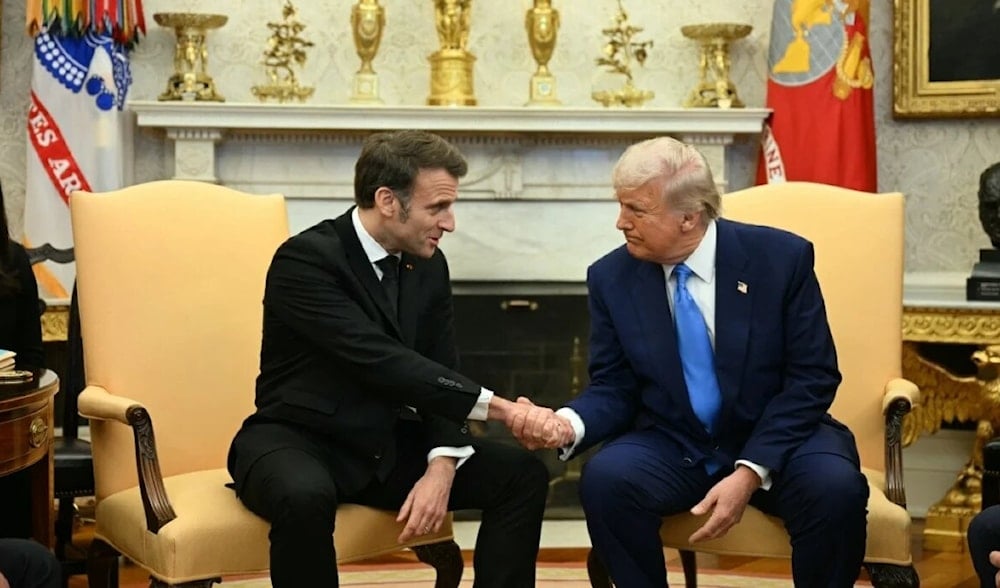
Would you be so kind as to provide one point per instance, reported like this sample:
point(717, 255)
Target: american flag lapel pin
point(742, 287)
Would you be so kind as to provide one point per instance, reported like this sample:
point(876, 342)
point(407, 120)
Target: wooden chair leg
point(102, 565)
point(597, 572)
point(446, 558)
point(890, 576)
point(690, 564)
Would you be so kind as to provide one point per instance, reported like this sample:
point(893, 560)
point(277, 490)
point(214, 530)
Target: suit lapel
point(362, 268)
point(734, 293)
point(649, 297)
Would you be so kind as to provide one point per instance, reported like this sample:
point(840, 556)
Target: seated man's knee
point(304, 504)
point(841, 491)
point(532, 475)
point(28, 564)
point(603, 481)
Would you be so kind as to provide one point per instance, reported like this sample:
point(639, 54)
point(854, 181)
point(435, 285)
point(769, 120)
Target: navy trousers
point(631, 483)
point(984, 537)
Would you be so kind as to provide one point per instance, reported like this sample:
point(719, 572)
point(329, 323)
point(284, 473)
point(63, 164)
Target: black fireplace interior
point(534, 346)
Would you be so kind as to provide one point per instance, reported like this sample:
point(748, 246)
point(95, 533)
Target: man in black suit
point(359, 403)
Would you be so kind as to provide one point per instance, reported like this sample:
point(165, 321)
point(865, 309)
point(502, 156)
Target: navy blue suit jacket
point(774, 355)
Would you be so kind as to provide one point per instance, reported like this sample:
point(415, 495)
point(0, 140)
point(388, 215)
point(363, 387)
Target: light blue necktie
point(697, 357)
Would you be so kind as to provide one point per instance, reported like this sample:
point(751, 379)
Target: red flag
point(822, 128)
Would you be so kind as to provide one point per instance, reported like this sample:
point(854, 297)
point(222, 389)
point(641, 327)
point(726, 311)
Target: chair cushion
point(761, 535)
point(73, 468)
point(215, 535)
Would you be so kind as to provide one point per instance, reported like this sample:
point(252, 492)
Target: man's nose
point(448, 222)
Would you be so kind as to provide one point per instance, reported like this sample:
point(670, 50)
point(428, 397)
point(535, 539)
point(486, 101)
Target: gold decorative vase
point(190, 80)
point(367, 24)
point(542, 24)
point(451, 65)
point(620, 51)
point(714, 89)
point(286, 49)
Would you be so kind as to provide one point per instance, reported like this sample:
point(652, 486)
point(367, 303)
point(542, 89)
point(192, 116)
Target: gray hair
point(686, 180)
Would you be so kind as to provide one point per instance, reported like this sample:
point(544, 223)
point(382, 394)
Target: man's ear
point(385, 201)
point(690, 220)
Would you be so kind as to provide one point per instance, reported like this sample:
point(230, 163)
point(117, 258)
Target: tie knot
point(389, 266)
point(682, 272)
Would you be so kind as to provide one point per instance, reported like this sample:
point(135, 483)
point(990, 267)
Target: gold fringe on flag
point(123, 18)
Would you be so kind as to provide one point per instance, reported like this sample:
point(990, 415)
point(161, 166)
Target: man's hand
point(726, 500)
point(995, 560)
point(3, 582)
point(427, 503)
point(538, 426)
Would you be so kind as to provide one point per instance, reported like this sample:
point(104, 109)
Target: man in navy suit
point(742, 421)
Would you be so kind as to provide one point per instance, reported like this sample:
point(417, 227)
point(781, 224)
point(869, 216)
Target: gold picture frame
point(946, 83)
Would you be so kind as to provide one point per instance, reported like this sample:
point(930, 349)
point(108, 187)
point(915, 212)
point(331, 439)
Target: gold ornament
point(714, 88)
point(190, 80)
point(367, 24)
point(542, 24)
point(619, 52)
point(451, 65)
point(946, 397)
point(285, 49)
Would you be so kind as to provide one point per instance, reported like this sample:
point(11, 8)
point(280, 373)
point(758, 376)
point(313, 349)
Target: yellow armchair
point(858, 239)
point(170, 279)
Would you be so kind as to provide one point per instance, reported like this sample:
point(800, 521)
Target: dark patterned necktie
point(390, 280)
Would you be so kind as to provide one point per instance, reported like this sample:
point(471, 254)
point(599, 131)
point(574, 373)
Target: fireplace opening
point(534, 346)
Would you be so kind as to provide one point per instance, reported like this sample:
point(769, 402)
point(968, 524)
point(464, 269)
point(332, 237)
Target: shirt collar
point(373, 250)
point(702, 259)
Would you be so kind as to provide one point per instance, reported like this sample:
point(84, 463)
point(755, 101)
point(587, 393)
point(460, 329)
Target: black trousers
point(27, 564)
point(984, 537)
point(296, 490)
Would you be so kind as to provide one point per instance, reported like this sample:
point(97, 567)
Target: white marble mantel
point(535, 206)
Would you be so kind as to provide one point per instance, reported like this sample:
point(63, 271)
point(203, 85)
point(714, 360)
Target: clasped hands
point(537, 427)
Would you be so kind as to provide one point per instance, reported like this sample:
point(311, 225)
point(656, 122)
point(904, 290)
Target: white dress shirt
point(701, 285)
point(375, 252)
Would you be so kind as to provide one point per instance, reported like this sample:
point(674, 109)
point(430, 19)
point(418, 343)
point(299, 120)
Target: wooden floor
point(936, 569)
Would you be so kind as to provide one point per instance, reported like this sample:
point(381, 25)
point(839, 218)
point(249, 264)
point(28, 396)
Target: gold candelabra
point(451, 65)
point(620, 50)
point(542, 24)
point(190, 80)
point(286, 49)
point(367, 24)
point(714, 88)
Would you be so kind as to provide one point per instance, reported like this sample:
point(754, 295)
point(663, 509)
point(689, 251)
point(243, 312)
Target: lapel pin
point(742, 287)
point(408, 266)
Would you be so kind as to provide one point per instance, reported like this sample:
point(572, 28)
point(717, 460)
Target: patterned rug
point(549, 576)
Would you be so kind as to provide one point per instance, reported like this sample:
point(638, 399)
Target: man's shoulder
point(763, 235)
point(612, 264)
point(320, 236)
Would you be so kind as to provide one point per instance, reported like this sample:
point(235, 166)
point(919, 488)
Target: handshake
point(533, 426)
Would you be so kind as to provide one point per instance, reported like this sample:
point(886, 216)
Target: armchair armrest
point(899, 397)
point(97, 403)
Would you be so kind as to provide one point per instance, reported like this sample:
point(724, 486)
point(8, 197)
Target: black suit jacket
point(20, 321)
point(337, 363)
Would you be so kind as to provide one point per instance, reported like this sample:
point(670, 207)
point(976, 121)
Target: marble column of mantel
point(196, 127)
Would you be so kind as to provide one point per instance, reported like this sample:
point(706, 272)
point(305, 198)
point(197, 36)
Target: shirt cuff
point(482, 407)
point(460, 453)
point(761, 471)
point(578, 430)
